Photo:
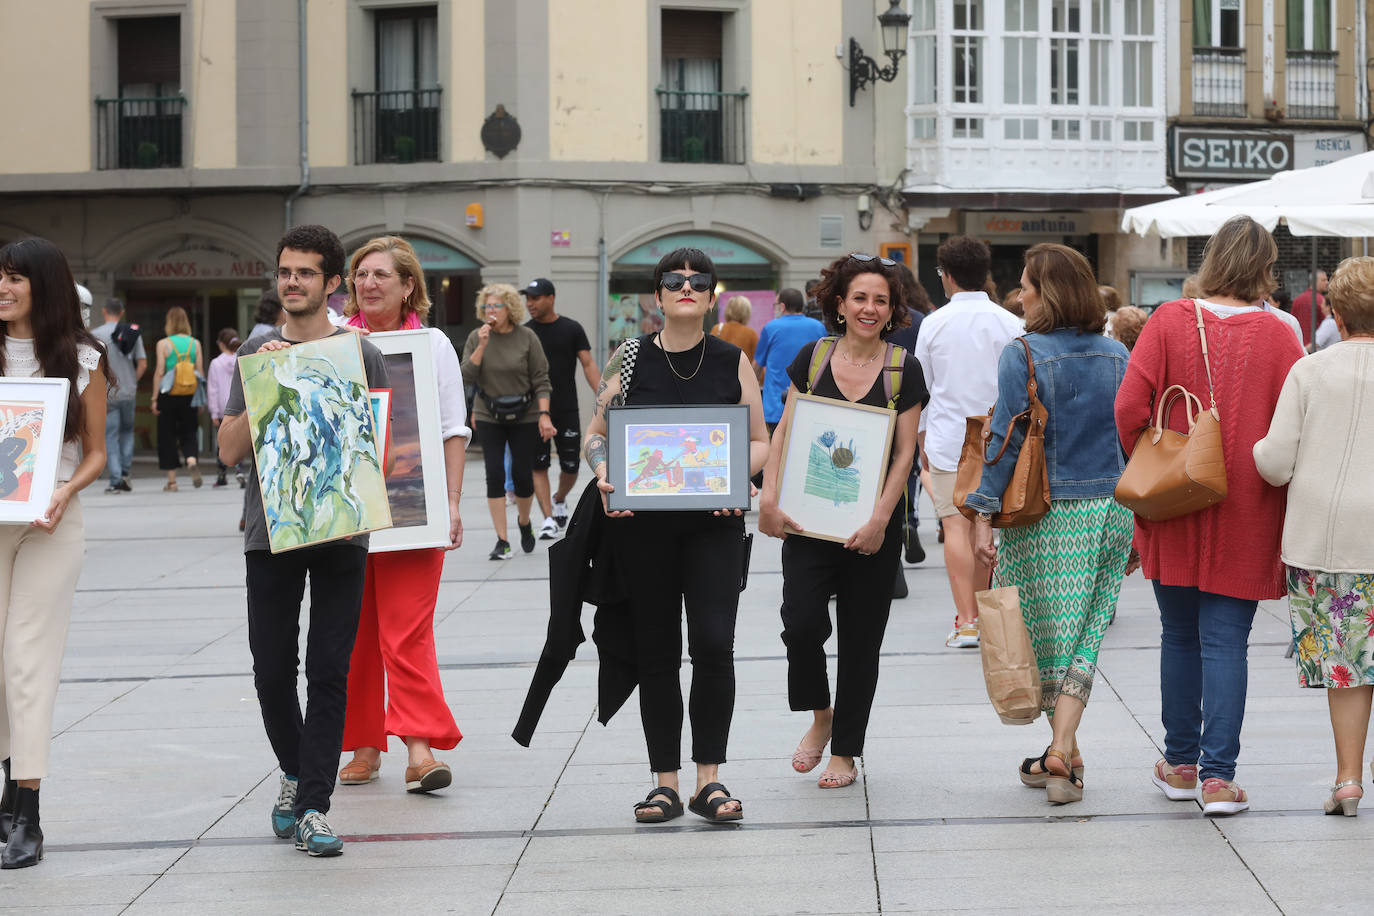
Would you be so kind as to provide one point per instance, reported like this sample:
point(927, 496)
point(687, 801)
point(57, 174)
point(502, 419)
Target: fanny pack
point(508, 408)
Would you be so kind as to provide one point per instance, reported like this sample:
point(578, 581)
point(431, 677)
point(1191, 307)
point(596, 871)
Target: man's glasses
point(305, 273)
point(865, 258)
point(674, 282)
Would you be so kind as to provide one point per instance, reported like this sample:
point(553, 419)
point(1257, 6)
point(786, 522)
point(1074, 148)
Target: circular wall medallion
point(500, 132)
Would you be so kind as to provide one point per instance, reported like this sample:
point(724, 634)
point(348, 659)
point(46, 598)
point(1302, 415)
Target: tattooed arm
point(594, 447)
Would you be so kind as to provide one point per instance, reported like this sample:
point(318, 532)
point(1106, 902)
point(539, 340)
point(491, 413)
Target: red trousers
point(393, 677)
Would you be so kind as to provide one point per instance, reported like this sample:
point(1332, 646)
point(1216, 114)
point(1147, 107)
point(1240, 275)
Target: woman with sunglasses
point(862, 296)
point(668, 560)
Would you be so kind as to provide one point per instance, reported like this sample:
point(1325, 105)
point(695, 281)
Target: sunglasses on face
point(865, 258)
point(674, 282)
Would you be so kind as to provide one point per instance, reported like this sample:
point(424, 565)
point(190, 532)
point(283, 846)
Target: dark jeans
point(668, 560)
point(306, 747)
point(1203, 672)
point(177, 424)
point(522, 439)
point(813, 570)
point(119, 438)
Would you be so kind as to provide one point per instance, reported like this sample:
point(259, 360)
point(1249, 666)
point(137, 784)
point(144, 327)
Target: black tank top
point(717, 382)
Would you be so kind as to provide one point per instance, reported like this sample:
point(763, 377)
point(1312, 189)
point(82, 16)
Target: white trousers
point(38, 573)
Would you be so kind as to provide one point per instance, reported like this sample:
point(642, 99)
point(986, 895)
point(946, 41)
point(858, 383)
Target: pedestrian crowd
point(1058, 372)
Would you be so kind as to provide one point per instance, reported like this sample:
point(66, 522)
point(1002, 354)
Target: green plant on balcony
point(148, 155)
point(693, 149)
point(405, 148)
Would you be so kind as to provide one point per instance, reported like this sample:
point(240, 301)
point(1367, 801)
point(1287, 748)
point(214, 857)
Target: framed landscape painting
point(417, 487)
point(834, 463)
point(664, 457)
point(33, 418)
point(315, 441)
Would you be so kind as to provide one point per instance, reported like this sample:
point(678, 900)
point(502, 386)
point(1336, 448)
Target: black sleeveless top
point(717, 382)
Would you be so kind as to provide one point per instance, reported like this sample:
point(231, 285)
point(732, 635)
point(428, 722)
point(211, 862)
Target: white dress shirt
point(958, 348)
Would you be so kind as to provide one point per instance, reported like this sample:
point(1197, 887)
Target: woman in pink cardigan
point(1211, 568)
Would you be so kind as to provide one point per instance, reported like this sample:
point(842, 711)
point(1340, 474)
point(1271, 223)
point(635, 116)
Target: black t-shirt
point(911, 392)
point(712, 376)
point(562, 340)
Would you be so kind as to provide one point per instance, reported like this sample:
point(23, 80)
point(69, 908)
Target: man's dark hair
point(690, 258)
point(966, 261)
point(792, 299)
point(1282, 298)
point(811, 285)
point(113, 306)
point(269, 308)
point(316, 240)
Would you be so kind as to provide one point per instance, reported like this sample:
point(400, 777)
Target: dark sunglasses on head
point(860, 256)
point(673, 282)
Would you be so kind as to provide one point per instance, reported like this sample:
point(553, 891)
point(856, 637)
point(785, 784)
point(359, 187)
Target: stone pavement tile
point(35, 888)
point(1306, 877)
point(690, 840)
point(733, 869)
point(360, 855)
point(678, 892)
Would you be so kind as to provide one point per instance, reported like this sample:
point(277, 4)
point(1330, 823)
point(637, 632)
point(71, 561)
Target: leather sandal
point(1350, 807)
point(358, 772)
point(656, 810)
point(705, 806)
point(805, 759)
point(1061, 790)
point(832, 780)
point(1037, 780)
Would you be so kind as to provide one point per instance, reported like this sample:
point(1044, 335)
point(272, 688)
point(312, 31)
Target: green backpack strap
point(820, 358)
point(892, 374)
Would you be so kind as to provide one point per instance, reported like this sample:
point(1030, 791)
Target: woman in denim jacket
point(1068, 565)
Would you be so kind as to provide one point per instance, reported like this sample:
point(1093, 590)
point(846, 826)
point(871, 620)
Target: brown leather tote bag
point(1027, 496)
point(1171, 474)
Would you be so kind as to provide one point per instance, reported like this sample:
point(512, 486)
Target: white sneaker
point(549, 530)
point(560, 513)
point(965, 637)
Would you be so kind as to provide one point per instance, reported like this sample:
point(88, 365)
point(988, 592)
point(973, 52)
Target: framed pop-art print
point(315, 441)
point(667, 457)
point(417, 486)
point(834, 464)
point(33, 418)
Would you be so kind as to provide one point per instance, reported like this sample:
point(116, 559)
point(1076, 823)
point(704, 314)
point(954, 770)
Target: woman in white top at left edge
point(42, 336)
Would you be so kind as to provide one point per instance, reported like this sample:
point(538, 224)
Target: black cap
point(540, 287)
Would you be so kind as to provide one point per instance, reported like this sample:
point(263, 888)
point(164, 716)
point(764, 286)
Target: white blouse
point(22, 362)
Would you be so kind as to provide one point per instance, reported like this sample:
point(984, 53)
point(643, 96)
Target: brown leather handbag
point(1027, 496)
point(1171, 474)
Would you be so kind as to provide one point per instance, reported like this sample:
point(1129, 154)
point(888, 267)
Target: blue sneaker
point(315, 837)
point(284, 811)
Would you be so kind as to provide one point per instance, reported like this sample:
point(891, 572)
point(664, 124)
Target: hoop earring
point(839, 319)
point(889, 324)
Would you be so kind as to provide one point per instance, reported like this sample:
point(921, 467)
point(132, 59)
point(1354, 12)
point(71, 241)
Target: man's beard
point(306, 309)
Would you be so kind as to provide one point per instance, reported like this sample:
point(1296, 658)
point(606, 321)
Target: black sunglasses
point(674, 282)
point(860, 256)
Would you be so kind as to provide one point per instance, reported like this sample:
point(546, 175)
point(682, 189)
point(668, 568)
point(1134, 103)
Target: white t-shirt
point(958, 348)
point(1288, 320)
point(1327, 333)
point(449, 373)
point(22, 362)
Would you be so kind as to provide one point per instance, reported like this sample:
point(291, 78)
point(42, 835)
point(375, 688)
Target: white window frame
point(1308, 12)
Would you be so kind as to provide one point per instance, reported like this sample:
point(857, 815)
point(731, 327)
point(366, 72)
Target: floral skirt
point(1333, 627)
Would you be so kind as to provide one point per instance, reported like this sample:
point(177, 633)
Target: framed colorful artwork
point(666, 457)
point(381, 416)
point(417, 486)
point(834, 464)
point(33, 418)
point(315, 441)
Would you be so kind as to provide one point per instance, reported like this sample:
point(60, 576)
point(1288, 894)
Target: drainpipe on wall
point(305, 137)
point(603, 287)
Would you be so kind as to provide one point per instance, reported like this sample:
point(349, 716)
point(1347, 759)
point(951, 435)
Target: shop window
point(142, 127)
point(399, 121)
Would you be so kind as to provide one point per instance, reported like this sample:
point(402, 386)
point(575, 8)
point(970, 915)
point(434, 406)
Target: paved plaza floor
point(162, 778)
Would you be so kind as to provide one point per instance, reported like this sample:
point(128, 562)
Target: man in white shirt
point(958, 349)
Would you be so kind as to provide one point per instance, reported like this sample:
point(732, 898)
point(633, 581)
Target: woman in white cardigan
point(1321, 444)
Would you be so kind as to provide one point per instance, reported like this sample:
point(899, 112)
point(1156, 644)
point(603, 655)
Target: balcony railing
point(139, 133)
point(1311, 84)
point(1219, 82)
point(701, 126)
point(396, 126)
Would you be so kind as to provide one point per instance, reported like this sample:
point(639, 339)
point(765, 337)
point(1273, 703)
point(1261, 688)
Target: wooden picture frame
point(417, 487)
point(33, 420)
point(692, 457)
point(834, 464)
point(896, 251)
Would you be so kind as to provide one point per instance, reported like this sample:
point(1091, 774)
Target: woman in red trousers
point(393, 678)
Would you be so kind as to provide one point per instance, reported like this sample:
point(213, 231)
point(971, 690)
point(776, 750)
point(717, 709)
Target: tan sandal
point(805, 759)
point(1349, 806)
point(358, 772)
point(169, 488)
point(1060, 790)
point(832, 780)
point(1036, 780)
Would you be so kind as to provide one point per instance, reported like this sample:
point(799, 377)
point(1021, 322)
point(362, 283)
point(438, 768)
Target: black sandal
point(1038, 780)
point(656, 810)
point(705, 806)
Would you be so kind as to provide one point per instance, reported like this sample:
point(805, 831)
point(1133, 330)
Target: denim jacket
point(1077, 375)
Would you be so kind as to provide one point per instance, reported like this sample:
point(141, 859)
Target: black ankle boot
point(7, 802)
point(25, 846)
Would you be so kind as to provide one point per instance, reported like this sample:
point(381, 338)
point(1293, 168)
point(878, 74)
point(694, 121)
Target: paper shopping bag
point(1009, 667)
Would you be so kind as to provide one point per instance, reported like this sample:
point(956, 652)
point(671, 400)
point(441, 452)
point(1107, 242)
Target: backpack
point(892, 372)
point(125, 337)
point(184, 379)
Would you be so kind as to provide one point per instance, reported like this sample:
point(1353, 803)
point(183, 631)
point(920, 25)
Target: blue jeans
point(119, 438)
point(1202, 676)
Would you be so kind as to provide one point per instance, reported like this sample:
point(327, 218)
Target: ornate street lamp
point(864, 70)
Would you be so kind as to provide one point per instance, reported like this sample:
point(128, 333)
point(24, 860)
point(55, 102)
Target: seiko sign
point(1230, 154)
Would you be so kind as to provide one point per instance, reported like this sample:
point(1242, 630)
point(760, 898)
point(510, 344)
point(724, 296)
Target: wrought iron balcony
point(701, 126)
point(1219, 82)
point(396, 126)
point(139, 133)
point(1311, 84)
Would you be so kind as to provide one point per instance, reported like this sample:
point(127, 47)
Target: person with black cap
point(565, 345)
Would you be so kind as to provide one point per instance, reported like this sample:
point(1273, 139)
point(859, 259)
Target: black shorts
point(568, 441)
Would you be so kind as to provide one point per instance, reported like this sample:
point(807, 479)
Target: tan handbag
point(1027, 496)
point(1009, 668)
point(1171, 474)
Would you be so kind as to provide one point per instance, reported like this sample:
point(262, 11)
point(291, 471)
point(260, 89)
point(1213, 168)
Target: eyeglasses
point(865, 258)
point(494, 306)
point(939, 271)
point(305, 273)
point(674, 282)
point(381, 276)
